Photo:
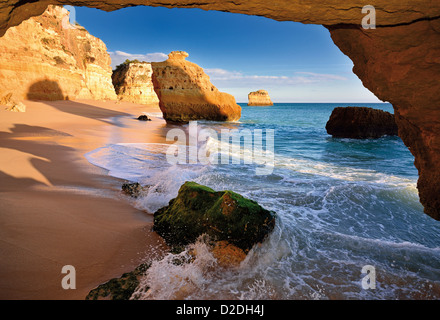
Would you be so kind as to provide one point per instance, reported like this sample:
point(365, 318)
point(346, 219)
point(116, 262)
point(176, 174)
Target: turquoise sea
point(342, 204)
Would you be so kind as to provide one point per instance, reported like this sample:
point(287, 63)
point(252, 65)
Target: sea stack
point(259, 98)
point(133, 83)
point(186, 93)
point(361, 123)
point(47, 58)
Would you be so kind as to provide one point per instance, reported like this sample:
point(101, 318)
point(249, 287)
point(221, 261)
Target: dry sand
point(57, 209)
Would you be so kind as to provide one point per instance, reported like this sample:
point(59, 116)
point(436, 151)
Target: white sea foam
point(333, 219)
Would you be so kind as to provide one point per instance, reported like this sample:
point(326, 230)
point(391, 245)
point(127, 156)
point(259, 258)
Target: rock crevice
point(186, 93)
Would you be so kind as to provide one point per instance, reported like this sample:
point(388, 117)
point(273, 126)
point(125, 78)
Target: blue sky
point(293, 61)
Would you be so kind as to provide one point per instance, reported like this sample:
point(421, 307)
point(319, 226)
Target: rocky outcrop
point(223, 216)
point(186, 93)
point(259, 98)
point(42, 59)
point(133, 83)
point(401, 65)
point(12, 105)
point(361, 123)
point(397, 61)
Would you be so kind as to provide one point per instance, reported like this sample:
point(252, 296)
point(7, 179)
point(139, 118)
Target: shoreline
point(58, 209)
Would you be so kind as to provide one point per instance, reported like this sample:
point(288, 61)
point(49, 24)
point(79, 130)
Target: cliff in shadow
point(133, 83)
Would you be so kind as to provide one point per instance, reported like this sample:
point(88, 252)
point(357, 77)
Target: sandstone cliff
point(133, 83)
point(397, 61)
point(361, 123)
point(259, 98)
point(42, 59)
point(186, 93)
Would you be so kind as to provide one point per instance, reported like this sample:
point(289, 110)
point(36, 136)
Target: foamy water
point(342, 204)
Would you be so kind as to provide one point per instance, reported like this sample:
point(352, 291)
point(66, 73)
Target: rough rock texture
point(401, 64)
point(223, 216)
point(12, 105)
point(227, 255)
point(186, 93)
point(404, 28)
point(329, 12)
point(361, 123)
point(42, 59)
point(133, 83)
point(259, 98)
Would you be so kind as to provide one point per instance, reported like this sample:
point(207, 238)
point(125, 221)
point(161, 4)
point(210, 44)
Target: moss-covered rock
point(223, 215)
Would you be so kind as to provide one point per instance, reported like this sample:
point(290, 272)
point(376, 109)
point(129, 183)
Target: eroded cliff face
point(133, 83)
point(186, 93)
point(259, 98)
point(401, 64)
point(45, 58)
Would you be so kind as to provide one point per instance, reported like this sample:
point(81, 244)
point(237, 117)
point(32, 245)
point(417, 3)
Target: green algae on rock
point(119, 288)
point(223, 215)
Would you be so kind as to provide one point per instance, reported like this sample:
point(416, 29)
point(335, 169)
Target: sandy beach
point(57, 209)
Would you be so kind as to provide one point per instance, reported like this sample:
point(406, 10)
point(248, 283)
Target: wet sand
point(57, 209)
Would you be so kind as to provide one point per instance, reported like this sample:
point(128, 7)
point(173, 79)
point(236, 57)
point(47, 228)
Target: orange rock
point(259, 98)
point(227, 254)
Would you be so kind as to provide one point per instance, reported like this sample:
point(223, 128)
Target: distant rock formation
point(186, 93)
point(259, 98)
point(46, 58)
point(361, 123)
point(133, 83)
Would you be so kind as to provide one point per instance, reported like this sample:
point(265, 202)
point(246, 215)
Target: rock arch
point(399, 61)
